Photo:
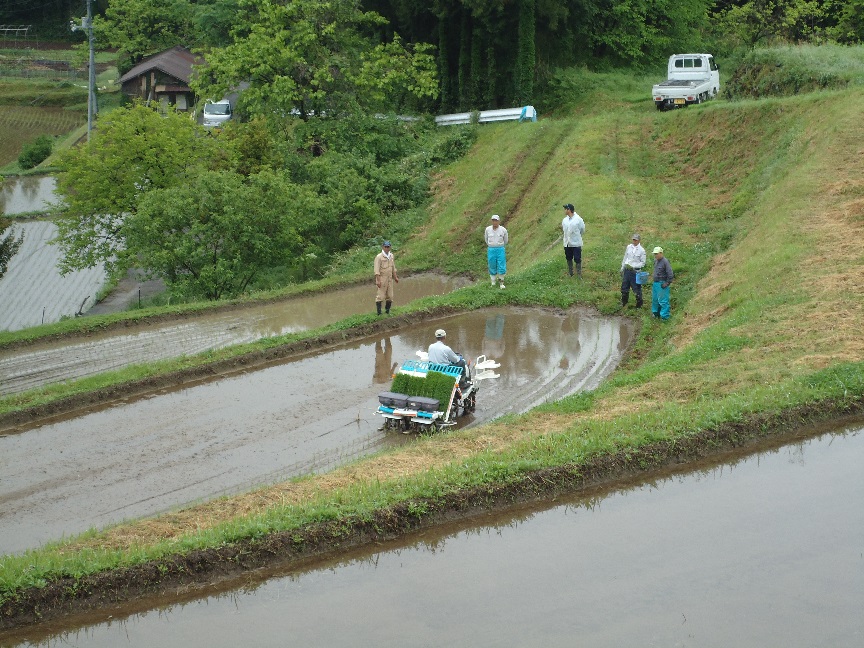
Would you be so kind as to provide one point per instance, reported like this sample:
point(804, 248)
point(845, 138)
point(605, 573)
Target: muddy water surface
point(49, 362)
point(767, 550)
point(33, 292)
point(26, 194)
point(149, 455)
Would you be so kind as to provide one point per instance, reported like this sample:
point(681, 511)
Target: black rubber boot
point(387, 307)
point(578, 270)
point(624, 298)
point(378, 306)
point(570, 266)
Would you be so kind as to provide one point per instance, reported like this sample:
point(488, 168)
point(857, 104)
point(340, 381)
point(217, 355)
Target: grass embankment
point(788, 70)
point(758, 205)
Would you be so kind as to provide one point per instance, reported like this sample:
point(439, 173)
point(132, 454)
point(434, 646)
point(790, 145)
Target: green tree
point(308, 57)
point(850, 23)
point(134, 151)
point(213, 235)
point(9, 244)
point(757, 21)
point(138, 28)
point(526, 54)
point(36, 152)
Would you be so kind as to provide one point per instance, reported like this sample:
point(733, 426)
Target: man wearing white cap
point(663, 276)
point(496, 238)
point(440, 353)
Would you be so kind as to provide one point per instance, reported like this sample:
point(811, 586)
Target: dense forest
point(487, 52)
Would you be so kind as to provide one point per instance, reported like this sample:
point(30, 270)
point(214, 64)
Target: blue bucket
point(641, 278)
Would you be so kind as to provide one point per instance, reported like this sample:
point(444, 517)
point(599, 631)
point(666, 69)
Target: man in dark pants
point(633, 262)
point(573, 227)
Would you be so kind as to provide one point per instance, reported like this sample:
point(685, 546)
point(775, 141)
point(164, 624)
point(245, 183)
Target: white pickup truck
point(690, 79)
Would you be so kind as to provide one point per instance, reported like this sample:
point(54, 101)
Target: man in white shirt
point(574, 228)
point(496, 239)
point(633, 262)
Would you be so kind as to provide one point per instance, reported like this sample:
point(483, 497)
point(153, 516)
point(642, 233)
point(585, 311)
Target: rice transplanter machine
point(409, 413)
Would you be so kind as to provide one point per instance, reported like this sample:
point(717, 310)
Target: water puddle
point(48, 362)
point(26, 194)
point(292, 418)
point(763, 550)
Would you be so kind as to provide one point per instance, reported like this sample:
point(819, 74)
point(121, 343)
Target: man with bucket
point(631, 266)
point(663, 276)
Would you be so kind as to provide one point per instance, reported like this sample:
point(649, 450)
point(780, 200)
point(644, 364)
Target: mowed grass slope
point(760, 207)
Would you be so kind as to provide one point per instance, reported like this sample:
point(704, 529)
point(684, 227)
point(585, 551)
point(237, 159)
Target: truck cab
point(695, 66)
point(216, 113)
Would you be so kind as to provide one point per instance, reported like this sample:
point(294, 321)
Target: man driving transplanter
point(440, 353)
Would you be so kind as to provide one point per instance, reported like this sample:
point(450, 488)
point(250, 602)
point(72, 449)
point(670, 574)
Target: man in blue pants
point(496, 238)
point(663, 276)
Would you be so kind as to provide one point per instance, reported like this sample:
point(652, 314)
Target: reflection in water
point(493, 339)
point(292, 418)
point(763, 551)
point(384, 365)
point(26, 194)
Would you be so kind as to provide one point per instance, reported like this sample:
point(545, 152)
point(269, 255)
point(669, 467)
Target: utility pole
point(87, 26)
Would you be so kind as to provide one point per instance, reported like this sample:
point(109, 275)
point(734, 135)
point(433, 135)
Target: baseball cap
point(495, 217)
point(386, 243)
point(657, 250)
point(636, 237)
point(569, 206)
point(440, 333)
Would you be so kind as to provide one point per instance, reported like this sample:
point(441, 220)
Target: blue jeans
point(497, 261)
point(660, 300)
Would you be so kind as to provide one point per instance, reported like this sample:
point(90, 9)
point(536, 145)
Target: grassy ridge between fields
point(759, 206)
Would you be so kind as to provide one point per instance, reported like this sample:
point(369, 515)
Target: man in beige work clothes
point(385, 276)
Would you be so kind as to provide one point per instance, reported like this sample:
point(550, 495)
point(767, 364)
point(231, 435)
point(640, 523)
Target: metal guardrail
point(525, 113)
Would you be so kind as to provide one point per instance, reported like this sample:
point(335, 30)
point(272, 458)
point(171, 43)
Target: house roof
point(177, 62)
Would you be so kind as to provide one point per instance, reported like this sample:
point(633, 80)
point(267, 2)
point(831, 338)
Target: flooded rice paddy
point(26, 195)
point(33, 292)
point(231, 433)
point(48, 362)
point(762, 550)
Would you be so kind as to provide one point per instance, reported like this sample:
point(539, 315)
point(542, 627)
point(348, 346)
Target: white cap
point(495, 217)
point(440, 333)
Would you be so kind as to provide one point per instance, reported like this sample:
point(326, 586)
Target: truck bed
point(680, 83)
